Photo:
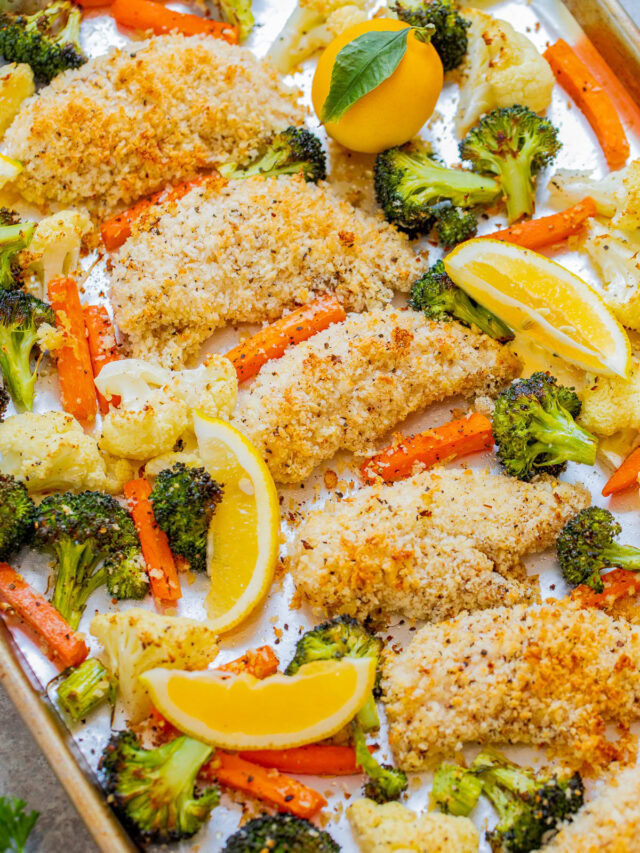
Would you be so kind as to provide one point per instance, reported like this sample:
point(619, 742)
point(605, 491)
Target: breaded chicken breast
point(432, 546)
point(147, 114)
point(554, 675)
point(244, 250)
point(351, 383)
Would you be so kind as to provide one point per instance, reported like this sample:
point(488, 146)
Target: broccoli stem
point(15, 362)
point(74, 582)
point(179, 775)
point(368, 715)
point(561, 439)
point(622, 556)
point(518, 187)
point(84, 689)
point(455, 790)
point(474, 314)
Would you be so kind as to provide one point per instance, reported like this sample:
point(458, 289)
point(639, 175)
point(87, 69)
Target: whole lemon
point(393, 112)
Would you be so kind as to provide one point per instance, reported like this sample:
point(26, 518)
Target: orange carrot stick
point(547, 230)
point(457, 438)
point(147, 15)
point(313, 760)
point(617, 584)
point(271, 342)
point(161, 568)
point(594, 101)
point(74, 361)
point(626, 475)
point(103, 348)
point(260, 662)
point(64, 647)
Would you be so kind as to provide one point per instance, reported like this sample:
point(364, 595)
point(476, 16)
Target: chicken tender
point(128, 123)
point(243, 251)
point(555, 675)
point(351, 383)
point(430, 547)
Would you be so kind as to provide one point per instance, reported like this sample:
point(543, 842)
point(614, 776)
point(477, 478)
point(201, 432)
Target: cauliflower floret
point(617, 195)
point(616, 256)
point(501, 68)
point(148, 431)
point(55, 248)
point(611, 404)
point(393, 827)
point(187, 454)
point(211, 388)
point(137, 640)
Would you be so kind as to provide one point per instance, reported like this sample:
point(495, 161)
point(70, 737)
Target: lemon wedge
point(9, 169)
point(245, 530)
point(544, 301)
point(244, 712)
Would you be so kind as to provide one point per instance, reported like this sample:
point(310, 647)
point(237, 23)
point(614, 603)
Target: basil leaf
point(362, 65)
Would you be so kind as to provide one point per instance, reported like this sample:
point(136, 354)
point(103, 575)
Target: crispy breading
point(151, 113)
point(351, 383)
point(555, 675)
point(432, 546)
point(244, 251)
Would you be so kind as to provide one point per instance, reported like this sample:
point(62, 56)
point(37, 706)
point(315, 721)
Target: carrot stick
point(594, 101)
point(147, 15)
point(617, 584)
point(271, 342)
point(260, 662)
point(103, 348)
point(313, 760)
point(161, 568)
point(547, 230)
point(626, 475)
point(74, 361)
point(64, 646)
point(457, 438)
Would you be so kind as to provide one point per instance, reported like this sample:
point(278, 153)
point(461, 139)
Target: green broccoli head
point(455, 790)
point(384, 783)
point(293, 151)
point(152, 790)
point(184, 500)
point(17, 513)
point(454, 224)
point(450, 38)
point(21, 315)
point(127, 574)
point(442, 300)
point(84, 688)
point(280, 833)
point(586, 546)
point(238, 13)
point(48, 40)
point(14, 237)
point(513, 143)
point(535, 430)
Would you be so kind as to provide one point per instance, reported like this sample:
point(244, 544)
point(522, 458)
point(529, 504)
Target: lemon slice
point(244, 712)
point(9, 169)
point(245, 529)
point(543, 301)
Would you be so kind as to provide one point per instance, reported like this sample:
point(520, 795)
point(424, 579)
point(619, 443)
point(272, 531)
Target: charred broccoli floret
point(513, 143)
point(280, 833)
point(535, 430)
point(293, 150)
point(454, 224)
point(152, 790)
point(85, 688)
point(184, 500)
point(455, 790)
point(410, 184)
point(450, 38)
point(48, 40)
point(17, 512)
point(14, 237)
point(442, 300)
point(385, 783)
point(21, 315)
point(586, 546)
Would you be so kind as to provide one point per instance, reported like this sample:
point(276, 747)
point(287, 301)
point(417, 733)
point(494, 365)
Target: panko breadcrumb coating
point(151, 113)
point(351, 383)
point(555, 675)
point(429, 547)
point(244, 250)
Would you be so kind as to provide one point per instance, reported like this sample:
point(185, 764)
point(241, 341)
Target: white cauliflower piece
point(611, 404)
point(617, 194)
point(137, 640)
point(188, 455)
point(392, 827)
point(55, 248)
point(143, 432)
point(211, 388)
point(502, 68)
point(616, 256)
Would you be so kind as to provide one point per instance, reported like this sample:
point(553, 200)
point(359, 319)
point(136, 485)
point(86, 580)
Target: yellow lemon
point(9, 169)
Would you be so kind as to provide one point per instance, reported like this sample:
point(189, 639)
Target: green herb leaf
point(15, 824)
point(362, 65)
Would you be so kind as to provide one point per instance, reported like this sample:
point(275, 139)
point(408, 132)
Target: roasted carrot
point(102, 346)
point(617, 584)
point(75, 373)
point(260, 662)
point(63, 646)
point(457, 438)
point(547, 230)
point(161, 568)
point(271, 342)
point(592, 99)
point(313, 760)
point(147, 15)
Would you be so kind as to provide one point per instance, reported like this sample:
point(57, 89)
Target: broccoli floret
point(294, 150)
point(89, 534)
point(152, 790)
point(48, 40)
point(409, 183)
point(450, 38)
point(586, 546)
point(21, 315)
point(385, 783)
point(14, 237)
point(280, 833)
point(442, 300)
point(513, 143)
point(535, 430)
point(17, 513)
point(342, 637)
point(455, 790)
point(126, 573)
point(239, 13)
point(184, 500)
point(454, 224)
point(85, 688)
